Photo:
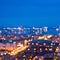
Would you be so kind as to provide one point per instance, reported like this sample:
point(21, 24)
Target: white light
point(57, 29)
point(50, 49)
point(1, 53)
point(5, 53)
point(36, 43)
point(28, 43)
point(28, 49)
point(0, 31)
point(32, 43)
point(8, 28)
point(14, 28)
point(51, 43)
point(45, 29)
point(14, 42)
point(19, 28)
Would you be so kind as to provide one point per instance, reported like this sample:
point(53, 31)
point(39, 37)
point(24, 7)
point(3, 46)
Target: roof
point(7, 41)
point(43, 41)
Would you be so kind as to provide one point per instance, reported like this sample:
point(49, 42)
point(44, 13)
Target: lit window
point(50, 49)
point(32, 36)
point(36, 43)
point(14, 42)
point(28, 43)
point(46, 49)
point(30, 56)
point(40, 49)
point(59, 43)
point(1, 53)
point(47, 46)
point(5, 53)
point(28, 49)
point(51, 43)
point(24, 56)
point(24, 59)
point(56, 41)
point(34, 48)
point(51, 46)
point(32, 43)
point(35, 56)
point(29, 40)
point(44, 44)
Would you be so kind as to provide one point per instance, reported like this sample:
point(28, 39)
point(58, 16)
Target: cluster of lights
point(19, 49)
point(45, 37)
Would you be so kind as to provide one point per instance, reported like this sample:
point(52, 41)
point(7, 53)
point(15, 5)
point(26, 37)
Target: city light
point(15, 43)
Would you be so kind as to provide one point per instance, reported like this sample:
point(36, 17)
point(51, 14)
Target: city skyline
point(29, 29)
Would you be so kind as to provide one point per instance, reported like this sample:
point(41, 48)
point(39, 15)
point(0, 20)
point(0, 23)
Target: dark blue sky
point(30, 13)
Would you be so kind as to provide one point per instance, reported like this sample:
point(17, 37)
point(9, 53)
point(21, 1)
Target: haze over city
point(29, 29)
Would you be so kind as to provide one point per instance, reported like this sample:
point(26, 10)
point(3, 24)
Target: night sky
point(28, 13)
